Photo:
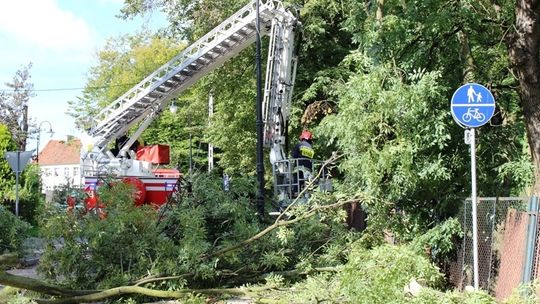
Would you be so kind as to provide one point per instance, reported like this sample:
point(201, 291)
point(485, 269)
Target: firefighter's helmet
point(306, 135)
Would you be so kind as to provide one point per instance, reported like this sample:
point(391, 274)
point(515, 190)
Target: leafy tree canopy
point(7, 177)
point(123, 62)
point(14, 106)
point(376, 78)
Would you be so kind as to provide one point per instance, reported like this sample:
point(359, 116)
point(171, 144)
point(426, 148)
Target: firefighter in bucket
point(303, 155)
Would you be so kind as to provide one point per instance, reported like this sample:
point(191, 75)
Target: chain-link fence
point(508, 251)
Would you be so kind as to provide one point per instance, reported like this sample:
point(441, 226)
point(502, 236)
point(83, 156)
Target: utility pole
point(210, 145)
point(259, 123)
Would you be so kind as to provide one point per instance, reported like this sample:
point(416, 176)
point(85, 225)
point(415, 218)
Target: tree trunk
point(379, 13)
point(468, 61)
point(523, 48)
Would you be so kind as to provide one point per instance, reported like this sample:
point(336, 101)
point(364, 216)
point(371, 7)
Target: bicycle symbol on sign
point(473, 114)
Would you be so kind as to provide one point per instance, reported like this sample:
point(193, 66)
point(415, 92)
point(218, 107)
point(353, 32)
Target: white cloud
point(42, 24)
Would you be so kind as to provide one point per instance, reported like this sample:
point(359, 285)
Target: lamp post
point(173, 108)
point(259, 120)
point(39, 135)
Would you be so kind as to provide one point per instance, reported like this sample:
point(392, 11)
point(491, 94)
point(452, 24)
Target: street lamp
point(39, 135)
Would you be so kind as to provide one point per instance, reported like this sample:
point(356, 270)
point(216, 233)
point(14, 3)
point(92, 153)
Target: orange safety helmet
point(306, 135)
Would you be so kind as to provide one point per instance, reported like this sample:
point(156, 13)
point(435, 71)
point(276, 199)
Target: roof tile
point(60, 152)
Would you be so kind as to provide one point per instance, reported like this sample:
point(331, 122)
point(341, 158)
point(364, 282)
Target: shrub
point(440, 243)
point(13, 231)
point(30, 198)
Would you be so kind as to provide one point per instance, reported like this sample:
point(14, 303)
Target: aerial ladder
point(139, 106)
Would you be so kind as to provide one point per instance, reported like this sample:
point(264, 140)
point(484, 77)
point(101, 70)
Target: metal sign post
point(17, 160)
point(470, 138)
point(473, 106)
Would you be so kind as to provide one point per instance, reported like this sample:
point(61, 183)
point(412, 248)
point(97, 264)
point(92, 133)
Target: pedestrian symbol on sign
point(472, 96)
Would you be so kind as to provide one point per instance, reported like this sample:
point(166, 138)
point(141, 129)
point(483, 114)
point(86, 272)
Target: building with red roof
point(59, 162)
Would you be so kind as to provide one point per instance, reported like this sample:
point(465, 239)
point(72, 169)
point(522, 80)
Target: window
point(75, 171)
point(56, 171)
point(66, 171)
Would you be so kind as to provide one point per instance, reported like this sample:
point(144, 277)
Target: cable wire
point(72, 89)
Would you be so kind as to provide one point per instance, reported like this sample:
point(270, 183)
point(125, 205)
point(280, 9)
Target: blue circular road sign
point(472, 105)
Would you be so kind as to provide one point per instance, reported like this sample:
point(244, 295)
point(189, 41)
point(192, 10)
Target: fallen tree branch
point(247, 277)
point(8, 260)
point(275, 225)
point(124, 290)
point(8, 279)
point(158, 279)
point(291, 273)
point(279, 222)
point(81, 296)
point(78, 296)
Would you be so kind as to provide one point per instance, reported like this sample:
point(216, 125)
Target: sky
point(61, 39)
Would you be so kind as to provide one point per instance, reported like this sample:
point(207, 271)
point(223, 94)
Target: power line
point(71, 89)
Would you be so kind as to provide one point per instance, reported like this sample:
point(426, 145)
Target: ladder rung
point(186, 72)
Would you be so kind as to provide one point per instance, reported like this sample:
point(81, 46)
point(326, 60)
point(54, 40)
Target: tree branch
point(157, 279)
point(39, 286)
point(123, 290)
point(278, 224)
point(8, 259)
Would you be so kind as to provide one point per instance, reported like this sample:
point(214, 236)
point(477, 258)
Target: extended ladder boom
point(280, 74)
point(147, 99)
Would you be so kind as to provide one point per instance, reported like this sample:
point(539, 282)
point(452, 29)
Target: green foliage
point(520, 171)
point(13, 231)
point(89, 252)
point(439, 242)
point(377, 275)
point(29, 181)
point(130, 243)
point(385, 270)
point(232, 125)
point(428, 295)
point(385, 72)
point(395, 133)
point(7, 176)
point(211, 219)
point(30, 198)
point(123, 62)
point(317, 288)
point(524, 294)
point(30, 195)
